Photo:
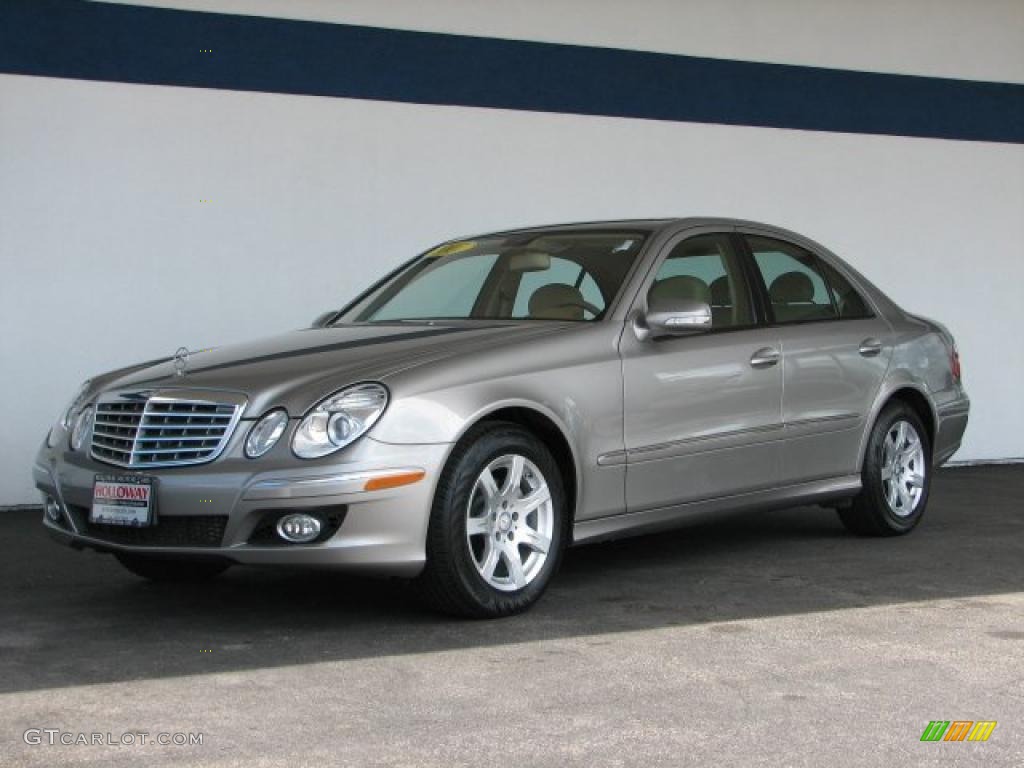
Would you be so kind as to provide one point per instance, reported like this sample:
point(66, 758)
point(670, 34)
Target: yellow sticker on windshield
point(449, 249)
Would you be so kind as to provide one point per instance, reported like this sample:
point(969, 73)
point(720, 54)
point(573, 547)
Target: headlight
point(69, 413)
point(82, 428)
point(67, 416)
point(339, 420)
point(265, 433)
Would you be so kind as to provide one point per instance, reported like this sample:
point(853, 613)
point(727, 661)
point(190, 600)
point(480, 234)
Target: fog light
point(52, 510)
point(298, 528)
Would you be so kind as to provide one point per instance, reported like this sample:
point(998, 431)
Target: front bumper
point(221, 509)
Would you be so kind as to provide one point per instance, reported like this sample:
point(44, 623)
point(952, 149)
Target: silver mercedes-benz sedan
point(501, 397)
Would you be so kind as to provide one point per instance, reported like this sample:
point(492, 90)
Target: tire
point(881, 508)
point(171, 569)
point(471, 534)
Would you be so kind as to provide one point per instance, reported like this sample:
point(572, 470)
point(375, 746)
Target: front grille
point(161, 431)
point(169, 531)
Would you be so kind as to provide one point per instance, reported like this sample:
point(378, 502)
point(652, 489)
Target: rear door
point(703, 412)
point(835, 351)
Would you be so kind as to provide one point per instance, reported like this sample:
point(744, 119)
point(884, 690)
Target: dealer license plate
point(122, 500)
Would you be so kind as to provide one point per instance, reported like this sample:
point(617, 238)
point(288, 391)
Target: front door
point(703, 412)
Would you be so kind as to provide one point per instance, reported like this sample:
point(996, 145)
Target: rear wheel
point(896, 476)
point(497, 525)
point(157, 568)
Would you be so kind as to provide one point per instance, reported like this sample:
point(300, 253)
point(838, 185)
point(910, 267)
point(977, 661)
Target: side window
point(581, 288)
point(705, 268)
point(448, 288)
point(851, 305)
point(796, 289)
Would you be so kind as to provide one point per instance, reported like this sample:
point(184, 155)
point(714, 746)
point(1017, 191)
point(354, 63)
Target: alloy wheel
point(903, 468)
point(510, 522)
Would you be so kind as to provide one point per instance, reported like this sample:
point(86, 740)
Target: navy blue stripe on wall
point(135, 44)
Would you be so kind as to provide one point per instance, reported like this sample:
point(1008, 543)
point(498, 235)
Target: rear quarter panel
point(921, 361)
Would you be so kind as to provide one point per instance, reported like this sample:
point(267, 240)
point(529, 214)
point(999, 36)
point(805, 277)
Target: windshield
point(526, 276)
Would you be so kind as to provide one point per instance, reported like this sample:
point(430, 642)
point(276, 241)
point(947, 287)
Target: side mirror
point(679, 318)
point(323, 318)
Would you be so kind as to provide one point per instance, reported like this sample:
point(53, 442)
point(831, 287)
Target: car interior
point(559, 277)
point(557, 301)
point(793, 299)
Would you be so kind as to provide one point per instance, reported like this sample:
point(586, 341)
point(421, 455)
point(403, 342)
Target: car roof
point(646, 225)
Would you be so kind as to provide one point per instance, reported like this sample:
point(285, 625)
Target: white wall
point(107, 255)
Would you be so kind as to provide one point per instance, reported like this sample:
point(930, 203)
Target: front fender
point(432, 421)
point(576, 388)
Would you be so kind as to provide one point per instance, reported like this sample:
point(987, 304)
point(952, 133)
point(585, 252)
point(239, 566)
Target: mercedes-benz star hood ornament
point(181, 361)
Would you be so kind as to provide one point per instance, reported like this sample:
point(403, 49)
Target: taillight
point(954, 362)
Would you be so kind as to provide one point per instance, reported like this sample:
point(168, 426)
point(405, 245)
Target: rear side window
point(849, 303)
point(801, 286)
point(797, 291)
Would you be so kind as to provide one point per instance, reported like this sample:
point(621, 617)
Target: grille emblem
point(180, 361)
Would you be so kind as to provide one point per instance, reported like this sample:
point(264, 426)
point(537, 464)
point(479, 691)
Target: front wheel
point(157, 568)
point(497, 525)
point(896, 476)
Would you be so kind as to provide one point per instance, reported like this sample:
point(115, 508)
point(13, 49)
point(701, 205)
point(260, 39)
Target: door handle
point(870, 347)
point(765, 357)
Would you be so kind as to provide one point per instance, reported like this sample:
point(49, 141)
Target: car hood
point(297, 369)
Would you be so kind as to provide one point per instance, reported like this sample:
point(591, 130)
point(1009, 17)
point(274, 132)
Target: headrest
point(668, 292)
point(556, 302)
point(720, 295)
point(791, 288)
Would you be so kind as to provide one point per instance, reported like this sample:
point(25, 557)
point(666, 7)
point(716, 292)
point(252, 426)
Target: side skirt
point(636, 523)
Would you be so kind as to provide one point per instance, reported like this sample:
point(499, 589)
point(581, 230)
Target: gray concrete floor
point(766, 639)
